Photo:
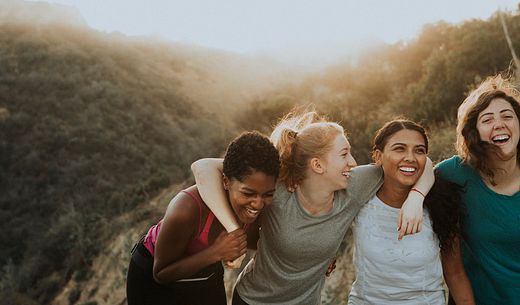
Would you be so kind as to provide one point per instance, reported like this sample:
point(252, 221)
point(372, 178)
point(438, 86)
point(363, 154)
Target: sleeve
point(452, 170)
point(364, 182)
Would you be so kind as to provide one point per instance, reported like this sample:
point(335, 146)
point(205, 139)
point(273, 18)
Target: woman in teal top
point(489, 169)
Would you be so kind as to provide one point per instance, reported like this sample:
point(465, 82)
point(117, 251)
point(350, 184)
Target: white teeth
point(251, 211)
point(346, 173)
point(407, 169)
point(500, 137)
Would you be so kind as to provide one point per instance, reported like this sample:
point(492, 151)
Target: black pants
point(141, 288)
point(237, 300)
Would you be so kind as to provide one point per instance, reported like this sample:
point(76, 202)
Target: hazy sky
point(297, 27)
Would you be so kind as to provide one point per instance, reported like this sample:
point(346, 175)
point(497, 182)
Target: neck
point(393, 195)
point(505, 171)
point(313, 198)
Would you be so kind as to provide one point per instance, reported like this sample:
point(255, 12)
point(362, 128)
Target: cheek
point(268, 201)
point(422, 163)
point(483, 132)
point(236, 199)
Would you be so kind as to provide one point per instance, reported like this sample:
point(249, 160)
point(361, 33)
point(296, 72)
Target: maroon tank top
point(197, 244)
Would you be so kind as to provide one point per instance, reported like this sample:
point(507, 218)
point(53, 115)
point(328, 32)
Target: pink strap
point(205, 233)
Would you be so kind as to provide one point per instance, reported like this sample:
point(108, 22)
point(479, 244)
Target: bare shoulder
point(182, 212)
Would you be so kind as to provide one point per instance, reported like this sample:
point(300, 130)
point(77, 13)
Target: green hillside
point(93, 125)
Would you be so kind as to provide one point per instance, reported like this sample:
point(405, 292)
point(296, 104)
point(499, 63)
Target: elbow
point(157, 277)
point(197, 165)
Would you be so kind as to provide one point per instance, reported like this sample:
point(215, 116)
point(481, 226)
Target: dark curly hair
point(250, 152)
point(444, 204)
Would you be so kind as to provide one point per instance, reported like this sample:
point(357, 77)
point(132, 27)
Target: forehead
point(406, 136)
point(497, 105)
point(340, 142)
point(258, 181)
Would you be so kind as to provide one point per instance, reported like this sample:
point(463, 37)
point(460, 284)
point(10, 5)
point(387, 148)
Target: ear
point(225, 182)
point(377, 156)
point(317, 166)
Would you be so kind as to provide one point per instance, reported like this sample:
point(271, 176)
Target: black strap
point(142, 257)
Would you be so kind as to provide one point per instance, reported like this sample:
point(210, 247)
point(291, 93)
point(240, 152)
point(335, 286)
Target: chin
point(247, 220)
point(408, 182)
point(507, 155)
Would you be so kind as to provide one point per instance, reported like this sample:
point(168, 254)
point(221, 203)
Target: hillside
point(94, 126)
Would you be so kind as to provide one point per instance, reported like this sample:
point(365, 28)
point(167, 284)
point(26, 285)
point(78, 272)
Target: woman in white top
point(409, 271)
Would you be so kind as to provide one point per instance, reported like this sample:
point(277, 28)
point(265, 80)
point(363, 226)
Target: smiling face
point(250, 196)
point(403, 158)
point(498, 125)
point(338, 163)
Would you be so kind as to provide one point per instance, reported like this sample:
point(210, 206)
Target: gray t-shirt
point(295, 248)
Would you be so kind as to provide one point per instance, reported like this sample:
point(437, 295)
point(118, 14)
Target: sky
point(294, 29)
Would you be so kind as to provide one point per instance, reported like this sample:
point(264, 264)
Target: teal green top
point(491, 236)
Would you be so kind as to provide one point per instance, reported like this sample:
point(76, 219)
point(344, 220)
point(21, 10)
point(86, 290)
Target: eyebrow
point(245, 188)
point(491, 113)
point(395, 144)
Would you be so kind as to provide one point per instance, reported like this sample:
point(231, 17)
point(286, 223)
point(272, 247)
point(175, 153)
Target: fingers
point(409, 228)
point(402, 231)
point(414, 227)
point(236, 263)
point(400, 220)
point(331, 268)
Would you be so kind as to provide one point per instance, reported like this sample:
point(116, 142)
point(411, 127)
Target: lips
point(500, 139)
point(253, 213)
point(407, 170)
point(346, 173)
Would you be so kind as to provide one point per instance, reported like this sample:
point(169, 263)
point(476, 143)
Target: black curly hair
point(250, 152)
point(444, 204)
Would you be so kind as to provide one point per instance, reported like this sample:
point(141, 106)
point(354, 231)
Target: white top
point(390, 271)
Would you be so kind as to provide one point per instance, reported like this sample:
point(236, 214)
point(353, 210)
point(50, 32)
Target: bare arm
point(455, 276)
point(208, 176)
point(410, 216)
point(179, 226)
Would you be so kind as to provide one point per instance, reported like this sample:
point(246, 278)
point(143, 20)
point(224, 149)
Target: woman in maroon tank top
point(179, 259)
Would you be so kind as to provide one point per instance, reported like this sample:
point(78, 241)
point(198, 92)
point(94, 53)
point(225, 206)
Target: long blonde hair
point(300, 137)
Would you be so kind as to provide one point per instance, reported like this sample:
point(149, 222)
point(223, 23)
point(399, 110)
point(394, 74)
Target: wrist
point(414, 189)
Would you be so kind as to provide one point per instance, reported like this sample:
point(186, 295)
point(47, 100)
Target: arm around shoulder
point(208, 176)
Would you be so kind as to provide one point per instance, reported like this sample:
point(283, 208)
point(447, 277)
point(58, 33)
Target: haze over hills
point(93, 126)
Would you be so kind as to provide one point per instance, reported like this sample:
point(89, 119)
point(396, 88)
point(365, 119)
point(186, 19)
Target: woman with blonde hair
point(488, 168)
point(301, 231)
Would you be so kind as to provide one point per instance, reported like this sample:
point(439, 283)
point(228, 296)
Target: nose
point(257, 202)
point(499, 124)
point(351, 162)
point(410, 156)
